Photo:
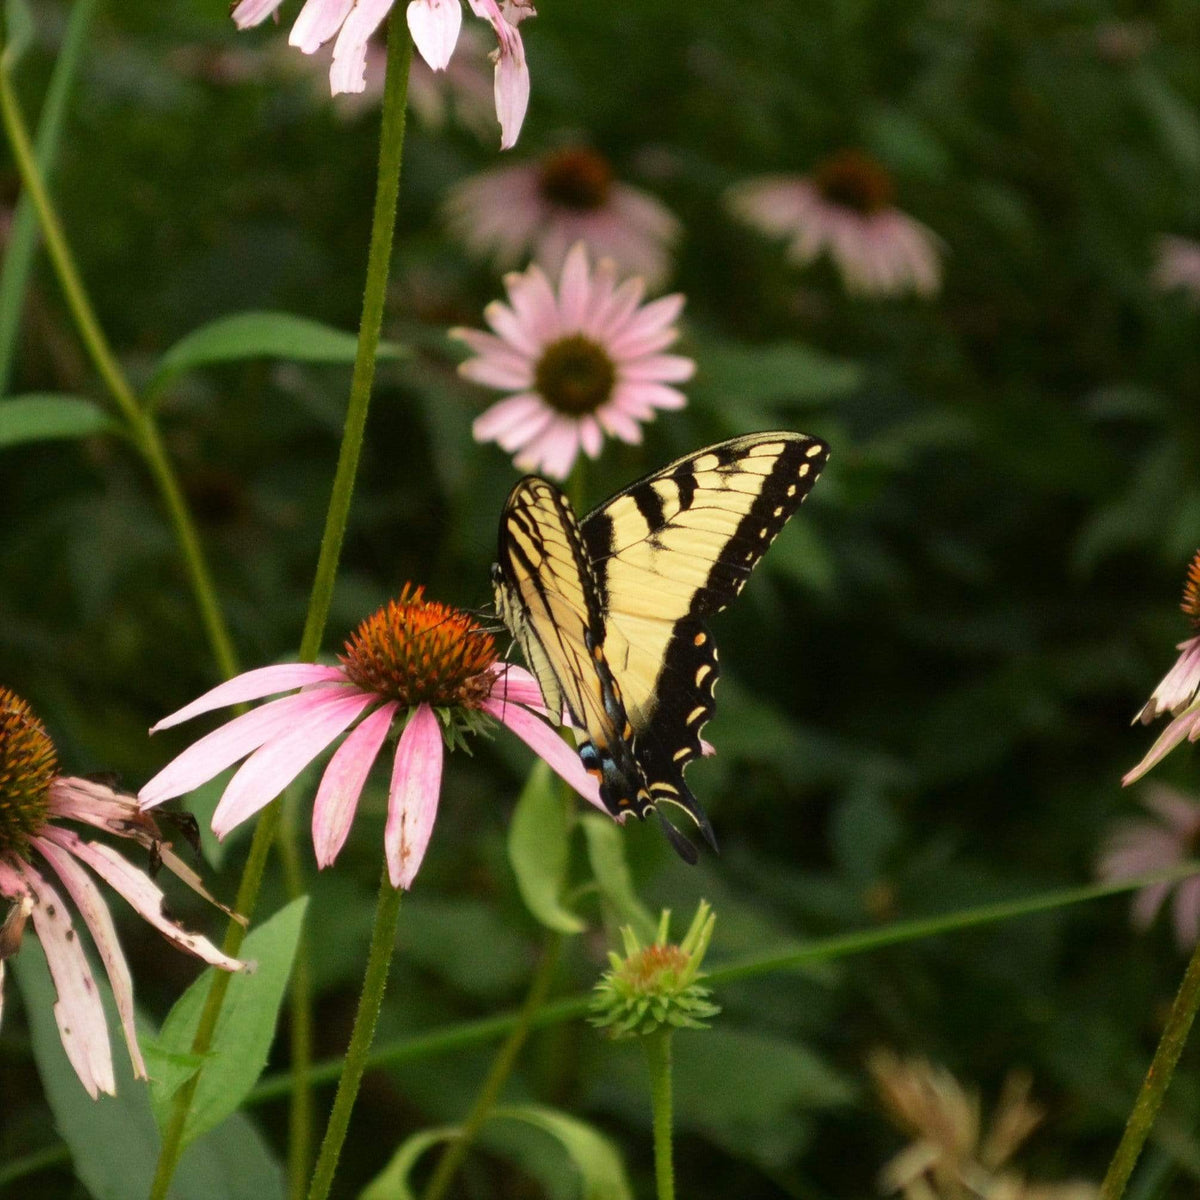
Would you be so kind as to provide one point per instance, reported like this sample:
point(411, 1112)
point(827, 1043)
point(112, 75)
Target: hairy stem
point(658, 1060)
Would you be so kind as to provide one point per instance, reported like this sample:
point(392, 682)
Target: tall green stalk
point(658, 1062)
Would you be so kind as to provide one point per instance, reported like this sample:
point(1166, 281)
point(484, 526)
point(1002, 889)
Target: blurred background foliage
point(927, 687)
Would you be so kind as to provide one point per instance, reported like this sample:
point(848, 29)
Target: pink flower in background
point(1138, 847)
point(540, 210)
point(1177, 691)
point(35, 801)
point(581, 363)
point(415, 663)
point(434, 25)
point(1178, 266)
point(845, 209)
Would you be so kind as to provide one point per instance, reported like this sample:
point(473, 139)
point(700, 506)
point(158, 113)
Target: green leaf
point(606, 853)
point(19, 31)
point(244, 1031)
point(392, 1182)
point(262, 335)
point(601, 1172)
point(782, 373)
point(47, 417)
point(539, 845)
point(113, 1140)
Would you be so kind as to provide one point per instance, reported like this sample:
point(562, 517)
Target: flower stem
point(658, 1059)
point(383, 941)
point(1158, 1079)
point(497, 1076)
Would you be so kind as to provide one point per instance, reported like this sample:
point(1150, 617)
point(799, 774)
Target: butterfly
point(609, 611)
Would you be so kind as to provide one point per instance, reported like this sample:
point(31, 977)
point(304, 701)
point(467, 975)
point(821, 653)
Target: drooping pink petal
point(208, 757)
point(1187, 912)
point(546, 743)
point(348, 72)
point(78, 1010)
point(254, 685)
point(96, 916)
point(1186, 725)
point(413, 797)
point(318, 21)
point(1178, 812)
point(343, 781)
point(435, 25)
point(1178, 687)
point(1146, 904)
point(253, 12)
point(275, 764)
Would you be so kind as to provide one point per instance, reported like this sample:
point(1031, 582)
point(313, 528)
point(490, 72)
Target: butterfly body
point(609, 611)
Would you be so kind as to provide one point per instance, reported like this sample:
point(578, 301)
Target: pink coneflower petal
point(348, 72)
point(659, 368)
point(650, 332)
point(96, 916)
point(1186, 725)
point(253, 685)
point(1178, 687)
point(253, 12)
point(318, 21)
point(499, 370)
point(1181, 815)
point(575, 288)
point(413, 797)
point(515, 685)
point(517, 413)
point(548, 745)
point(1187, 912)
point(435, 25)
point(591, 436)
point(78, 1011)
point(208, 757)
point(1147, 903)
point(343, 781)
point(273, 766)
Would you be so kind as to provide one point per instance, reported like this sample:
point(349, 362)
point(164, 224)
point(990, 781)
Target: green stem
point(658, 1060)
point(383, 941)
point(1158, 1079)
point(387, 193)
point(454, 1153)
point(468, 1034)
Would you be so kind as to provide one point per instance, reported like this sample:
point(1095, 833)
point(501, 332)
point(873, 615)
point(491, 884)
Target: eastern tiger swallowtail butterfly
point(609, 611)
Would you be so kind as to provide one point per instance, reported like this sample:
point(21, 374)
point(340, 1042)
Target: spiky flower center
point(1191, 592)
point(654, 969)
point(576, 178)
point(575, 375)
point(418, 651)
point(27, 766)
point(854, 180)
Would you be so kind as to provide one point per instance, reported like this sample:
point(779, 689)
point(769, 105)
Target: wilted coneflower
point(417, 666)
point(1177, 692)
point(1138, 847)
point(434, 25)
point(35, 804)
point(952, 1156)
point(846, 208)
point(581, 363)
point(539, 210)
point(1178, 266)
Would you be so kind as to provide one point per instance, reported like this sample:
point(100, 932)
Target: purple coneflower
point(415, 665)
point(1138, 847)
point(581, 363)
point(539, 210)
point(845, 208)
point(434, 25)
point(1177, 692)
point(1178, 266)
point(35, 801)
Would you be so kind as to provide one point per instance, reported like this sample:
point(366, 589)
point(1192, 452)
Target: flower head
point(416, 665)
point(1178, 690)
point(582, 362)
point(1178, 266)
point(434, 25)
point(1140, 846)
point(541, 209)
point(845, 207)
point(655, 986)
point(37, 844)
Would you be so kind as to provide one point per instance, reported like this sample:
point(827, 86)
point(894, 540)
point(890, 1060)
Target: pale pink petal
point(348, 72)
point(1146, 904)
point(413, 798)
point(591, 436)
point(253, 685)
point(252, 12)
point(515, 685)
point(434, 25)
point(78, 1010)
point(641, 399)
point(342, 783)
point(1187, 725)
point(1178, 687)
point(534, 303)
point(500, 370)
point(96, 916)
point(272, 767)
point(658, 368)
point(515, 332)
point(553, 451)
point(318, 21)
point(1187, 912)
point(620, 424)
point(208, 757)
point(651, 331)
point(1178, 811)
point(548, 745)
point(574, 288)
point(622, 308)
point(510, 415)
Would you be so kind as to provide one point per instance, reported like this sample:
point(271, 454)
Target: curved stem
point(383, 941)
point(658, 1060)
point(1158, 1079)
point(454, 1153)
